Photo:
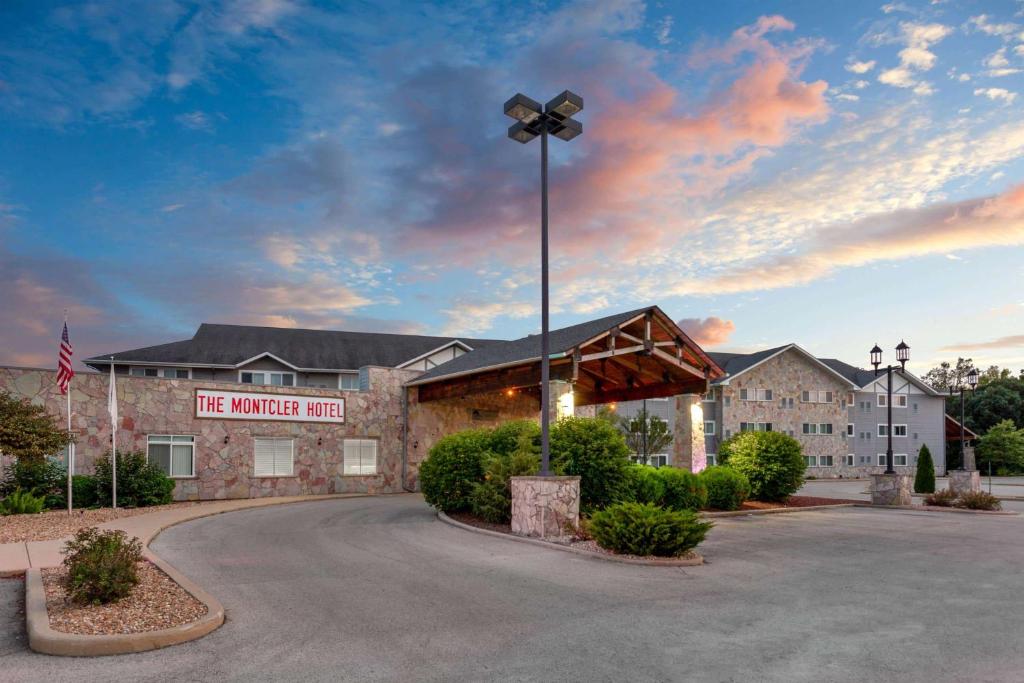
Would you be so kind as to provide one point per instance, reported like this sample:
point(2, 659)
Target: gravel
point(157, 602)
point(56, 524)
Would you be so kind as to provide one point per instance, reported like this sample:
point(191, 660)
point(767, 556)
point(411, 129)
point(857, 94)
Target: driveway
point(1007, 488)
point(378, 589)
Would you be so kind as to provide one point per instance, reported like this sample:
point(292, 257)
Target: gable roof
point(736, 363)
point(228, 346)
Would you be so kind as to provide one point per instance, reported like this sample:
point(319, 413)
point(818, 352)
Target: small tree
point(645, 434)
point(1003, 447)
point(924, 480)
point(772, 462)
point(27, 431)
point(595, 451)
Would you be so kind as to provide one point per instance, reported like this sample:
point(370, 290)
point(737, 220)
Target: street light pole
point(533, 120)
point(972, 382)
point(902, 355)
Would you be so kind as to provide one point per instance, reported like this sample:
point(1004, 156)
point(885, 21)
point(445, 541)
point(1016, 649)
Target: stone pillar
point(688, 451)
point(964, 481)
point(891, 489)
point(545, 507)
point(560, 400)
point(969, 462)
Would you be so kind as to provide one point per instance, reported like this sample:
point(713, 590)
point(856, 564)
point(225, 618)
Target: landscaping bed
point(795, 502)
point(56, 524)
point(156, 603)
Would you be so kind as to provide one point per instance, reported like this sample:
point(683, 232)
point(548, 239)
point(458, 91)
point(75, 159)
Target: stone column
point(964, 481)
point(969, 462)
point(560, 394)
point(688, 451)
point(891, 489)
point(545, 507)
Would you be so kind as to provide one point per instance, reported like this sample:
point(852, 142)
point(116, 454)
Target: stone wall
point(688, 447)
point(224, 448)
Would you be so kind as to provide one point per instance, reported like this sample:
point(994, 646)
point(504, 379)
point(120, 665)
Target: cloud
point(860, 67)
point(476, 317)
point(1012, 341)
point(983, 23)
point(997, 94)
point(195, 120)
point(711, 331)
point(916, 56)
point(664, 28)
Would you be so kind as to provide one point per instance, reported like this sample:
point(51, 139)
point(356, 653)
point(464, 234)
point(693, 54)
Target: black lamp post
point(902, 355)
point(533, 120)
point(972, 383)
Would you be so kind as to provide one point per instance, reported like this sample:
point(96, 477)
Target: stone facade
point(688, 444)
point(891, 489)
point(224, 449)
point(964, 481)
point(545, 507)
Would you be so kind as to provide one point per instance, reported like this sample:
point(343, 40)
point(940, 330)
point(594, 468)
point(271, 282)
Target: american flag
point(64, 370)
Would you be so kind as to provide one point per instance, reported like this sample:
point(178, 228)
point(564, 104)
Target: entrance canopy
point(953, 430)
point(633, 355)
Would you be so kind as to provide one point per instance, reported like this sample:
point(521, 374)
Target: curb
point(775, 511)
point(937, 508)
point(44, 639)
point(694, 561)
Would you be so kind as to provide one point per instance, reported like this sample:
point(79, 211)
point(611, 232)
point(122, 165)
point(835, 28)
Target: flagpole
point(71, 449)
point(113, 432)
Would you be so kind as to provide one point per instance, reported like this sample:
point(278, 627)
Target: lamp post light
point(972, 384)
point(902, 355)
point(534, 120)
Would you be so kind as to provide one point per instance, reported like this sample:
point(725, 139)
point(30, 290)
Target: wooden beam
point(679, 362)
point(660, 390)
point(611, 352)
point(492, 381)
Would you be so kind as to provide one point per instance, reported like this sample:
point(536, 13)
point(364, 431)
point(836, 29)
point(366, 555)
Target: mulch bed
point(797, 502)
point(470, 519)
point(157, 602)
point(56, 524)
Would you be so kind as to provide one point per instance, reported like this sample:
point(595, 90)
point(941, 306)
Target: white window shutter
point(264, 463)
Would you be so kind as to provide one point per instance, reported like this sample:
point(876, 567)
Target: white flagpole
point(71, 451)
point(113, 431)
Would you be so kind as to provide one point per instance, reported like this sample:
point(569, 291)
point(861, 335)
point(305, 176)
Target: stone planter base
point(891, 489)
point(545, 507)
point(964, 481)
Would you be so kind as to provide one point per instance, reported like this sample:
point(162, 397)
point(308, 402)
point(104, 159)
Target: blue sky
point(833, 174)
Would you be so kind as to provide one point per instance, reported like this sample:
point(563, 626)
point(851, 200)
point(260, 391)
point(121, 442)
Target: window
point(826, 461)
point(755, 426)
point(174, 455)
point(899, 430)
point(898, 459)
point(850, 458)
point(348, 381)
point(901, 401)
point(755, 394)
point(816, 397)
point(273, 457)
point(728, 401)
point(810, 428)
point(850, 429)
point(709, 428)
point(849, 399)
point(883, 400)
point(167, 373)
point(825, 428)
point(711, 459)
point(811, 460)
point(277, 379)
point(710, 396)
point(659, 460)
point(360, 456)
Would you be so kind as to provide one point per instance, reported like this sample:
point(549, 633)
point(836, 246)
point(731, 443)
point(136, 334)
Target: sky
point(831, 174)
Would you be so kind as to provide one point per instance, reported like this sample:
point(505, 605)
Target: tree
point(645, 434)
point(924, 479)
point(1001, 399)
point(946, 376)
point(27, 431)
point(1003, 447)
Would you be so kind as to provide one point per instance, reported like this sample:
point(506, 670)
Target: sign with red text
point(246, 405)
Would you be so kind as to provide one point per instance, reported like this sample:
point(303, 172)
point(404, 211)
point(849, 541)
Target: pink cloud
point(710, 331)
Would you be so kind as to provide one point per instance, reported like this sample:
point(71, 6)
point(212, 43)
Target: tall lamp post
point(972, 383)
point(534, 120)
point(902, 355)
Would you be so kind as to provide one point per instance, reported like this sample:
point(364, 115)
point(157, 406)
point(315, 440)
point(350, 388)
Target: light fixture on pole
point(902, 355)
point(534, 120)
point(972, 383)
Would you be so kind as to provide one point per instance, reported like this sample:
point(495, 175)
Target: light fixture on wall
point(320, 441)
point(226, 439)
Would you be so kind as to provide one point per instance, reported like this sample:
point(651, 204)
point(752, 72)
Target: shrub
point(101, 566)
point(43, 477)
point(594, 450)
point(645, 529)
point(943, 499)
point(139, 483)
point(512, 437)
point(453, 466)
point(978, 500)
point(727, 488)
point(924, 479)
point(491, 499)
point(644, 485)
point(21, 503)
point(83, 491)
point(772, 462)
point(684, 490)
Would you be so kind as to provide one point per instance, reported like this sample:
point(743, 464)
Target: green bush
point(21, 503)
point(453, 466)
point(684, 490)
point(491, 499)
point(772, 462)
point(139, 483)
point(643, 485)
point(924, 478)
point(101, 566)
point(596, 451)
point(727, 488)
point(978, 500)
point(943, 499)
point(645, 529)
point(512, 437)
point(83, 491)
point(43, 477)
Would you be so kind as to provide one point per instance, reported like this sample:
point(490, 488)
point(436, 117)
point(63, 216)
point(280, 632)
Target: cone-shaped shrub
point(924, 480)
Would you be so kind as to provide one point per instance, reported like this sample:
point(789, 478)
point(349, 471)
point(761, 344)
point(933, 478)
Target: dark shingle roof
point(858, 376)
point(228, 345)
point(528, 348)
point(735, 363)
